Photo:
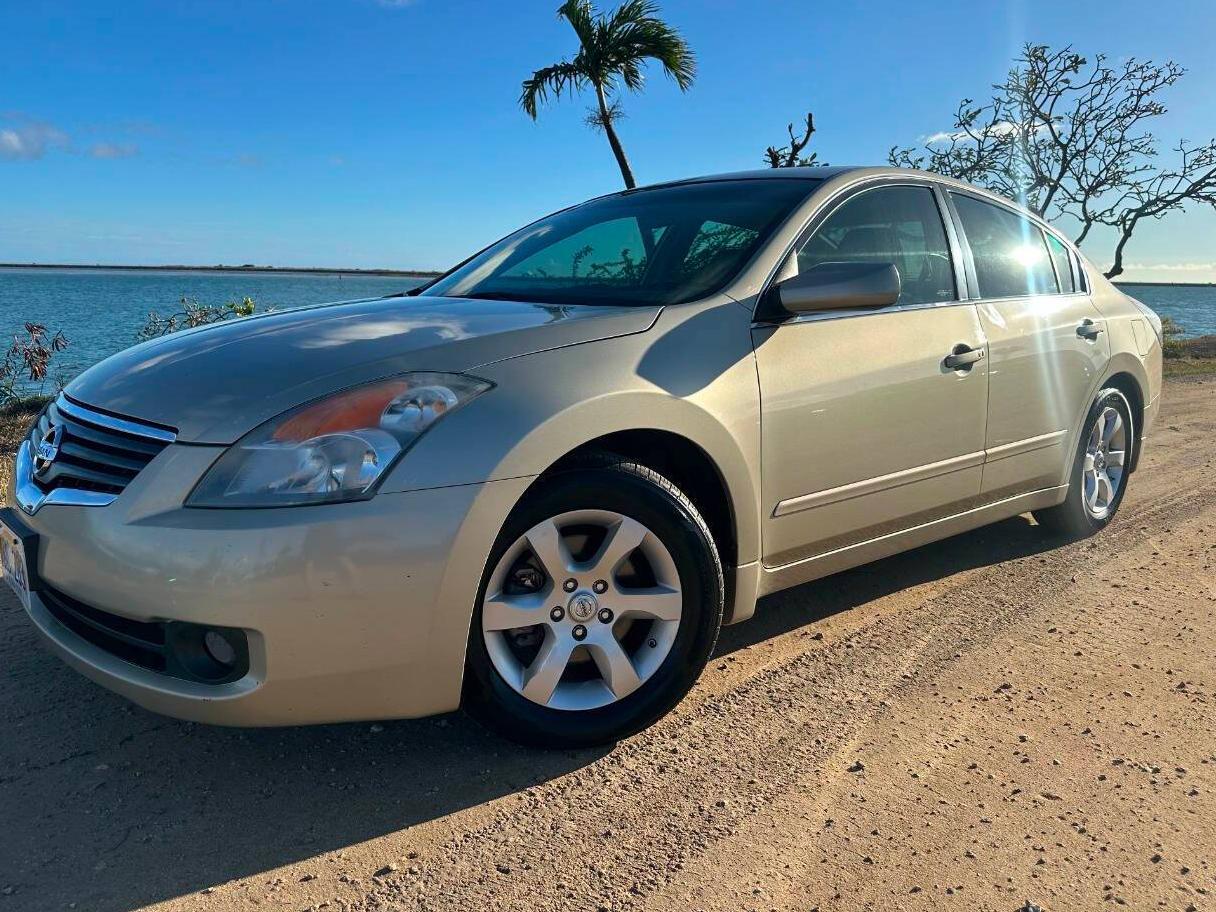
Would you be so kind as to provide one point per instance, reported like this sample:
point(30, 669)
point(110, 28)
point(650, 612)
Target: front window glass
point(665, 245)
point(1011, 258)
point(900, 225)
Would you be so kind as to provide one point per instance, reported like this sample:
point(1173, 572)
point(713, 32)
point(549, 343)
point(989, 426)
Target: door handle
point(963, 357)
point(1088, 329)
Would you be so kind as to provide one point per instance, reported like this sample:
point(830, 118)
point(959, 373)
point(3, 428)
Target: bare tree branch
point(790, 156)
point(1069, 138)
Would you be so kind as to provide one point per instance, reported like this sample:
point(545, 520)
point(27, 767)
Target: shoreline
point(250, 269)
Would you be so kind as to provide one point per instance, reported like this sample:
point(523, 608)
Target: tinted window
point(664, 245)
point(1060, 256)
point(1010, 254)
point(900, 225)
point(609, 251)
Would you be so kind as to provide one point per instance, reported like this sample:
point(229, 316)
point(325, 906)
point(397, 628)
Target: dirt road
point(985, 721)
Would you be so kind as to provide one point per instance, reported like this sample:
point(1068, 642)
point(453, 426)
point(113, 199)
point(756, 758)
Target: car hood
point(216, 383)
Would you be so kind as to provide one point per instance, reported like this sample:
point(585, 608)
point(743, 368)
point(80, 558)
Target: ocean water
point(1193, 307)
point(101, 310)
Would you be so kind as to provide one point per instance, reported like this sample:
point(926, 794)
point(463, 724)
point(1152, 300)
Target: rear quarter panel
point(1134, 346)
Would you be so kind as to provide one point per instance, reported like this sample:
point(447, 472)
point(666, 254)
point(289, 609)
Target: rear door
point(1047, 344)
point(864, 429)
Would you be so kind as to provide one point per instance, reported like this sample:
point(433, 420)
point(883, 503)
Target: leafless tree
point(1071, 139)
point(790, 156)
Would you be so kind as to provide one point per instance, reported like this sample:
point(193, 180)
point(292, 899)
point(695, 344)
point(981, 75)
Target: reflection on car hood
point(216, 383)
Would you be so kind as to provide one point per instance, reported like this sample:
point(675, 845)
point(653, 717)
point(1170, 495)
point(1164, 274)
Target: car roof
point(824, 173)
point(805, 172)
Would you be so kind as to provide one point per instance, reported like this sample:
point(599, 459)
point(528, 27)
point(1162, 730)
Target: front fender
point(692, 375)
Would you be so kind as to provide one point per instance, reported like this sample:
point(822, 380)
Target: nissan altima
point(539, 485)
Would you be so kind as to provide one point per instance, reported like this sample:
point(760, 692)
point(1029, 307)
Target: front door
point(865, 429)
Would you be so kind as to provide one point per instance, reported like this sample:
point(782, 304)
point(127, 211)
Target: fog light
point(219, 648)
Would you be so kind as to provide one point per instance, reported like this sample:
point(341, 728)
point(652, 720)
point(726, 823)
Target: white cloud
point(1000, 128)
point(113, 150)
point(395, 4)
point(1174, 267)
point(28, 139)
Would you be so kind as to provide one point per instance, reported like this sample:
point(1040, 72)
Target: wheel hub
point(582, 607)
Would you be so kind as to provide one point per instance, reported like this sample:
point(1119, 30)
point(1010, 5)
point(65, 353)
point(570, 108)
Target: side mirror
point(837, 286)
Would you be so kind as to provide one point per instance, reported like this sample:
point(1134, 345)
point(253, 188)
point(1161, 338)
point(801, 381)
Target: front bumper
point(352, 611)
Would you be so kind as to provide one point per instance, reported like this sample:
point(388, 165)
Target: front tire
point(598, 608)
point(1098, 479)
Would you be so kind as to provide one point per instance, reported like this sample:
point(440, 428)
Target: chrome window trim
point(30, 498)
point(822, 315)
point(123, 426)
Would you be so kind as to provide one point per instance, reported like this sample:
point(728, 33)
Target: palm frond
point(650, 38)
point(553, 80)
point(582, 18)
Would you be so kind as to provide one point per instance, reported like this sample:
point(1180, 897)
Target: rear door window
point(1010, 254)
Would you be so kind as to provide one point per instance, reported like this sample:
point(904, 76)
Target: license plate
point(13, 567)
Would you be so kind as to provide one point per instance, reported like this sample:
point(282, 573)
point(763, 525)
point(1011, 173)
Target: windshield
point(662, 246)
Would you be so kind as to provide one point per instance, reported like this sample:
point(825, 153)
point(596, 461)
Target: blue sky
point(387, 134)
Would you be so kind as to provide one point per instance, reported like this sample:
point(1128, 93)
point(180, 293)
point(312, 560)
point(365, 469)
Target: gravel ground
point(987, 721)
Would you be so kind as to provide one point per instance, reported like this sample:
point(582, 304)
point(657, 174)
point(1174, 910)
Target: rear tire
point(614, 580)
point(1099, 474)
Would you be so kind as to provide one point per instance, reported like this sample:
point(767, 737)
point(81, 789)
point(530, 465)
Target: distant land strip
point(1168, 284)
point(310, 270)
point(417, 273)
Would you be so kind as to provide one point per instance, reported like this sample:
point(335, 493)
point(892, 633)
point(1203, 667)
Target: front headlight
point(334, 449)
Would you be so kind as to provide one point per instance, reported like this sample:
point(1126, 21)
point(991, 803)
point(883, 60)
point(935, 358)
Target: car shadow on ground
point(112, 808)
point(782, 612)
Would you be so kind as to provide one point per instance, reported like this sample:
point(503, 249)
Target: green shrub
point(194, 314)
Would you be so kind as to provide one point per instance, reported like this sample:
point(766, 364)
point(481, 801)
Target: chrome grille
point(92, 451)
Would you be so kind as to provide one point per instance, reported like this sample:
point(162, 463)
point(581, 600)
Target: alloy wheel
point(582, 609)
point(1105, 462)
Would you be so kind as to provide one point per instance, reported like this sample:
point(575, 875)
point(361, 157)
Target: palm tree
point(612, 50)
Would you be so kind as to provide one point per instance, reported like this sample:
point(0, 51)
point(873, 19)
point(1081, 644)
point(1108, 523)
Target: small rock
point(376, 729)
point(857, 767)
point(385, 871)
